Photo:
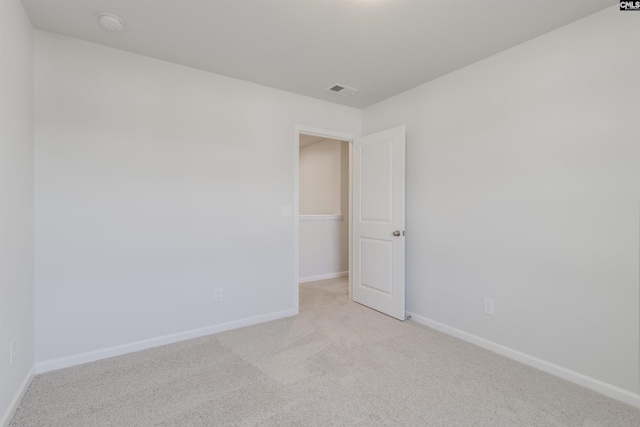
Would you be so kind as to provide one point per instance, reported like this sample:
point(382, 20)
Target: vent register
point(342, 90)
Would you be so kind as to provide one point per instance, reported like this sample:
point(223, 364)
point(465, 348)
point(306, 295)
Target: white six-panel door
point(378, 221)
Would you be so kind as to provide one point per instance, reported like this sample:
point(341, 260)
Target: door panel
point(378, 212)
point(377, 275)
point(376, 195)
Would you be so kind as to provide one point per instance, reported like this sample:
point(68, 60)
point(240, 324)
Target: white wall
point(155, 184)
point(344, 204)
point(16, 203)
point(523, 184)
point(322, 254)
point(320, 178)
point(324, 189)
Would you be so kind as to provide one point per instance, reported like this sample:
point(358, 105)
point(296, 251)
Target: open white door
point(378, 221)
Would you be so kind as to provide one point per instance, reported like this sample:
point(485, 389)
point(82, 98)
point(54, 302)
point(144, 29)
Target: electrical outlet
point(12, 351)
point(217, 295)
point(488, 306)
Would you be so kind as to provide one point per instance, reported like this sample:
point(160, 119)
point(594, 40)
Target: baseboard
point(11, 410)
point(92, 356)
point(564, 373)
point(323, 277)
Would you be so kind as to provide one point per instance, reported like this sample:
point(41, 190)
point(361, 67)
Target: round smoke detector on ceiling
point(111, 22)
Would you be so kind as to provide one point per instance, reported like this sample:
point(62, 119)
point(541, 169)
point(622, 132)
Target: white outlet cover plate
point(488, 306)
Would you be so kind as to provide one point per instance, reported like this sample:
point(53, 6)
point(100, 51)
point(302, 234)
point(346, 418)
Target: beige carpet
point(336, 364)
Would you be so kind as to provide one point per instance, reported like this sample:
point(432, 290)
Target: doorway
point(377, 199)
point(322, 206)
point(323, 233)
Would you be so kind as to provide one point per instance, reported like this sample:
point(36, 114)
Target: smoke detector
point(110, 21)
point(342, 90)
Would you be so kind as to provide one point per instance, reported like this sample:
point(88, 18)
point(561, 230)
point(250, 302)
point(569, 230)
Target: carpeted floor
point(336, 364)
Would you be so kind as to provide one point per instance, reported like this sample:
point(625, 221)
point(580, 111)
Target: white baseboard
point(11, 410)
point(92, 356)
point(323, 277)
point(564, 373)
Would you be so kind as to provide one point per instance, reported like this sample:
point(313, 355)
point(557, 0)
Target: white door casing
point(378, 212)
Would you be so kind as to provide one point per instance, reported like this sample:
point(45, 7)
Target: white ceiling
point(306, 140)
point(381, 47)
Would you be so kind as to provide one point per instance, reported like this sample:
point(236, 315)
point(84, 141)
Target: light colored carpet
point(336, 364)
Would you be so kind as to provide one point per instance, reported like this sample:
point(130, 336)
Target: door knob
point(397, 233)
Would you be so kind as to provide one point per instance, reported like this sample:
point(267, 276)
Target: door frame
point(308, 130)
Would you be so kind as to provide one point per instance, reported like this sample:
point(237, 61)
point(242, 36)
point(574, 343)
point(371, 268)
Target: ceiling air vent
point(342, 90)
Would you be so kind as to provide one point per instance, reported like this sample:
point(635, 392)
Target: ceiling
point(380, 47)
point(306, 140)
